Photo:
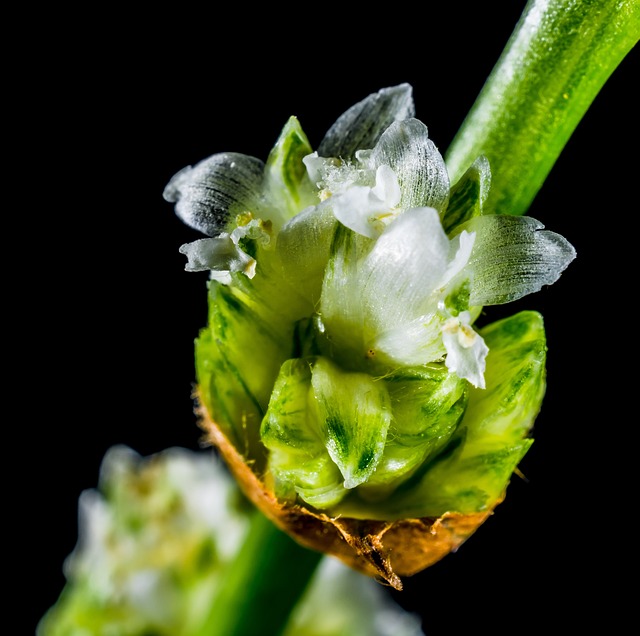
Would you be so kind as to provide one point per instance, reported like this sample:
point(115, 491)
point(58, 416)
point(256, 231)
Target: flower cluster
point(341, 355)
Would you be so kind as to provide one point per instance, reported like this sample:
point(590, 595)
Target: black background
point(108, 342)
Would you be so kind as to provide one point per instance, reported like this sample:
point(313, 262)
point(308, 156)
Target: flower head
point(342, 358)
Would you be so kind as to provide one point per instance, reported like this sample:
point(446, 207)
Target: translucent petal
point(210, 194)
point(405, 147)
point(513, 256)
point(361, 125)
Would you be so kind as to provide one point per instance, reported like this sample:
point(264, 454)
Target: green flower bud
point(341, 372)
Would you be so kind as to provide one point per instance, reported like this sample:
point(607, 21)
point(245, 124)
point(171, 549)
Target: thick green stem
point(263, 585)
point(560, 55)
point(558, 58)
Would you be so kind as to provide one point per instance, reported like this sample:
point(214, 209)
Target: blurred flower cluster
point(156, 541)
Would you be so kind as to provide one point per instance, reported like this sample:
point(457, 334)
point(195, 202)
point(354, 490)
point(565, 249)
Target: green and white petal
point(210, 194)
point(298, 458)
point(361, 126)
point(422, 174)
point(468, 195)
point(513, 256)
point(342, 328)
point(287, 183)
point(354, 411)
point(428, 403)
point(466, 350)
point(303, 246)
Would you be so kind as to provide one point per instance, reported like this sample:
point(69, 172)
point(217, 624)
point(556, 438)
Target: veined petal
point(303, 245)
point(512, 257)
point(355, 412)
point(422, 174)
point(361, 125)
point(210, 194)
point(466, 350)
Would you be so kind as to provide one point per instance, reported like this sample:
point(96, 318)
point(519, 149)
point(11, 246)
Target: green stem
point(263, 585)
point(558, 58)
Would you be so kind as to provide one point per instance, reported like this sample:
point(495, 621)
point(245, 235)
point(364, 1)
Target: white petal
point(466, 350)
point(463, 245)
point(361, 210)
point(415, 343)
point(403, 269)
point(221, 255)
point(315, 167)
point(387, 187)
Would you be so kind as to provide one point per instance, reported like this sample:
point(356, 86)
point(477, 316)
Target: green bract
point(341, 356)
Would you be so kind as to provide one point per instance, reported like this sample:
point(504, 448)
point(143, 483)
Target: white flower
point(222, 255)
point(466, 350)
point(388, 301)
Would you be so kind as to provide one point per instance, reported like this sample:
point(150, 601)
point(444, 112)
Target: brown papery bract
point(384, 550)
